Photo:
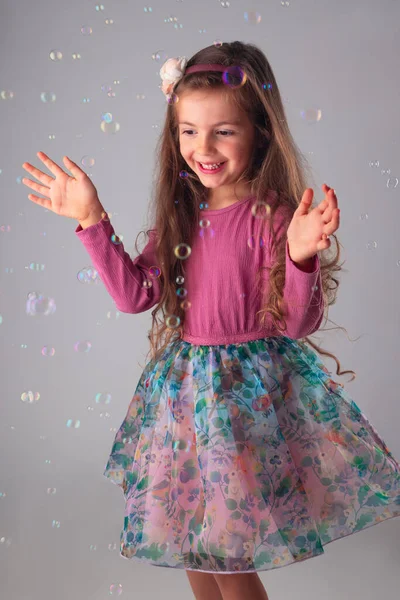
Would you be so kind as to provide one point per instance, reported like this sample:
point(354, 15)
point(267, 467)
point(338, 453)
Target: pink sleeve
point(122, 276)
point(302, 291)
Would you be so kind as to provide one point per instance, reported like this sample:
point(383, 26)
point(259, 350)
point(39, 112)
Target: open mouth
point(212, 169)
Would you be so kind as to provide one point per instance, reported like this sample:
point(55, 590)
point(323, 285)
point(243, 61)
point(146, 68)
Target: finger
point(51, 165)
point(329, 202)
point(324, 244)
point(333, 224)
point(42, 201)
point(35, 186)
point(43, 177)
point(73, 167)
point(305, 202)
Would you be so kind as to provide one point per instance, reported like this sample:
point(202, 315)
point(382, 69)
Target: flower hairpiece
point(171, 73)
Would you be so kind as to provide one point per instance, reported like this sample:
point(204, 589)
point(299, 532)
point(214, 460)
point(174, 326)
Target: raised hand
point(74, 197)
point(309, 232)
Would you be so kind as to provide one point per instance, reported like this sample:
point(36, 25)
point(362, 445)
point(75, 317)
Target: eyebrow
point(235, 122)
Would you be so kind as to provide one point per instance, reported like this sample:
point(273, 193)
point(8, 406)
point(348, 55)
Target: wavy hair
point(277, 164)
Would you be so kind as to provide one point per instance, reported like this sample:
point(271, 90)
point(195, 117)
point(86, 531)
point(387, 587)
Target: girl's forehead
point(205, 105)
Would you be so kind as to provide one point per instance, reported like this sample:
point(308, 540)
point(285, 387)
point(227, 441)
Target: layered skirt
point(246, 457)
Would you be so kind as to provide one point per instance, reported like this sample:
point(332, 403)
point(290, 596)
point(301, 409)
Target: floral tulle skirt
point(246, 457)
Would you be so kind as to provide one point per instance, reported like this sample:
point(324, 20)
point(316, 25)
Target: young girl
point(239, 453)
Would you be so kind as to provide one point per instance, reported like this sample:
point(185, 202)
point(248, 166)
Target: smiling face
point(212, 129)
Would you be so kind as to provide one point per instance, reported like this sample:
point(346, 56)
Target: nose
point(204, 145)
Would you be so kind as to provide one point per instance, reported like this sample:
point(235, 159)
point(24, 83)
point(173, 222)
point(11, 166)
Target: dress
point(238, 452)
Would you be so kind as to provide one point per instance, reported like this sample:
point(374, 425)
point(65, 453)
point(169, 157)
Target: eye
point(221, 131)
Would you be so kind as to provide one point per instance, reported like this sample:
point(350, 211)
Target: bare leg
point(204, 586)
point(241, 586)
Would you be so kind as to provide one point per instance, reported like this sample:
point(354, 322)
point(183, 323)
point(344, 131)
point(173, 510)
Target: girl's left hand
point(308, 231)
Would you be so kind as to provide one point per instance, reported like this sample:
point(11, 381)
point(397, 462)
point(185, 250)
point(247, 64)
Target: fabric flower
point(171, 73)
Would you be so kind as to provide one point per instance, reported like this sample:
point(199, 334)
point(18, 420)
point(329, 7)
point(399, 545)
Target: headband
point(174, 69)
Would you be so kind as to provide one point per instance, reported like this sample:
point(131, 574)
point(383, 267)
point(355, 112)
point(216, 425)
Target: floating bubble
point(256, 242)
point(172, 321)
point(185, 305)
point(261, 210)
point(181, 292)
point(182, 251)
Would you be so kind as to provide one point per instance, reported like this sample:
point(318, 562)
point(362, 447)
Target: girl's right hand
point(73, 197)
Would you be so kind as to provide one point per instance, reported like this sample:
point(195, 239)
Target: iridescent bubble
point(182, 251)
point(172, 98)
point(6, 94)
point(185, 305)
point(37, 304)
point(30, 397)
point(35, 267)
point(87, 161)
point(180, 280)
point(88, 275)
point(207, 233)
point(73, 423)
point(115, 589)
point(84, 346)
point(103, 398)
point(172, 321)
point(160, 56)
point(261, 210)
point(371, 245)
point(267, 86)
point(252, 18)
point(55, 55)
point(234, 77)
point(256, 242)
point(154, 272)
point(86, 30)
point(48, 351)
point(311, 115)
point(116, 239)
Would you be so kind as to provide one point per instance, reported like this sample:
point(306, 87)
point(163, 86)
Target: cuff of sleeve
point(314, 265)
point(90, 235)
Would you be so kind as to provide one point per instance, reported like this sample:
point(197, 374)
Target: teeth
point(210, 167)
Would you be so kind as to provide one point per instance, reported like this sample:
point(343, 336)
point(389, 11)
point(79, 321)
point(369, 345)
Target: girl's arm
point(123, 277)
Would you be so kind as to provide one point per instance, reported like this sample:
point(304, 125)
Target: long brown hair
point(277, 164)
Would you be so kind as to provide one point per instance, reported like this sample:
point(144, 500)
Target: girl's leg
point(241, 586)
point(204, 586)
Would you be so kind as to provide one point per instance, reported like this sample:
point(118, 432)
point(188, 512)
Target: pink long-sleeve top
point(220, 276)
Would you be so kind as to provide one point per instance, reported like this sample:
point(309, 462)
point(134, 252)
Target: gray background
point(337, 57)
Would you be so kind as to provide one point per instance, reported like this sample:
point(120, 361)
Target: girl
point(239, 453)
